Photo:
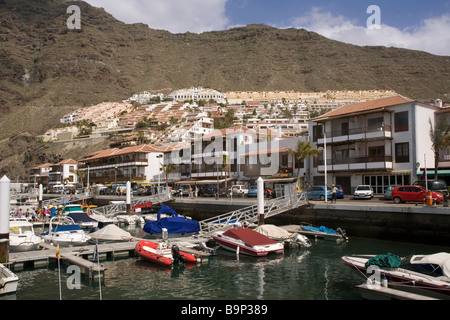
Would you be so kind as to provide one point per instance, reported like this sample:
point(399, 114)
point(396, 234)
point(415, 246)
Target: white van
point(239, 189)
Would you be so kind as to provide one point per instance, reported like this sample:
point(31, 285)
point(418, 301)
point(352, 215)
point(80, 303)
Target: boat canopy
point(442, 259)
point(274, 232)
point(319, 229)
point(249, 236)
point(173, 224)
point(80, 217)
point(111, 232)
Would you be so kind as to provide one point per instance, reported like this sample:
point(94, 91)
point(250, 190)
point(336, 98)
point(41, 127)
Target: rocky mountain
point(49, 69)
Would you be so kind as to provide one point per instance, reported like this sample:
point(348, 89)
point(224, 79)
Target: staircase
point(121, 206)
point(250, 214)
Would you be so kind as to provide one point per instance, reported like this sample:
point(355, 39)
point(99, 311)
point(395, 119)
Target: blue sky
point(415, 24)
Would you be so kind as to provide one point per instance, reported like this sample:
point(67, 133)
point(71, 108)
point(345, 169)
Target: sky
point(414, 24)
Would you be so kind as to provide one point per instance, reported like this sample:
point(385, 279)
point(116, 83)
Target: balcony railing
point(357, 134)
point(364, 159)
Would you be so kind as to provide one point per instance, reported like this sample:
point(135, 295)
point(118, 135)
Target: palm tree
point(440, 139)
point(168, 169)
point(305, 149)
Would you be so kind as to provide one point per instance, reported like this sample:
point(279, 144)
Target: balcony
point(357, 134)
point(357, 163)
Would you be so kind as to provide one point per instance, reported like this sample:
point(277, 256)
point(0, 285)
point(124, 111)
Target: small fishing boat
point(22, 236)
point(8, 281)
point(247, 241)
point(428, 275)
point(64, 231)
point(176, 226)
point(289, 239)
point(161, 254)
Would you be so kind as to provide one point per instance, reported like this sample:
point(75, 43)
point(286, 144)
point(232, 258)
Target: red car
point(414, 194)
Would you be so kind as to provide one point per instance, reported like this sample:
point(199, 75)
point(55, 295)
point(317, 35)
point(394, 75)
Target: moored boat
point(80, 217)
point(321, 232)
point(65, 232)
point(176, 226)
point(247, 241)
point(289, 239)
point(161, 254)
point(428, 275)
point(8, 281)
point(22, 236)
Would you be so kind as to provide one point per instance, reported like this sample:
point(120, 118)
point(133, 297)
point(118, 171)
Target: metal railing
point(121, 206)
point(250, 214)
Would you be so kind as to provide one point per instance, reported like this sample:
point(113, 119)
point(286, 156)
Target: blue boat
point(176, 226)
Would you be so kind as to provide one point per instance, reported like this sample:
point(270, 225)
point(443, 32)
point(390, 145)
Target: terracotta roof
point(364, 107)
point(145, 148)
point(68, 161)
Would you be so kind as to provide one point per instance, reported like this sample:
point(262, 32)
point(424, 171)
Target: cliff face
point(48, 70)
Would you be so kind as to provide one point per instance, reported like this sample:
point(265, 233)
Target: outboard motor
point(342, 233)
point(176, 254)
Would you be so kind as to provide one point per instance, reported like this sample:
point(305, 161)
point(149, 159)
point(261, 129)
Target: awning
point(440, 172)
point(212, 181)
point(281, 179)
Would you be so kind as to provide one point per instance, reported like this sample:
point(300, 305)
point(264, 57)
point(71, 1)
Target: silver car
point(363, 192)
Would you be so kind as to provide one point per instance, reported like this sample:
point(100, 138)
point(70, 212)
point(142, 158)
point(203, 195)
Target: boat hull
point(8, 281)
point(403, 279)
point(149, 251)
point(234, 245)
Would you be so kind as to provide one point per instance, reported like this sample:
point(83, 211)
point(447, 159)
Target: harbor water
point(315, 273)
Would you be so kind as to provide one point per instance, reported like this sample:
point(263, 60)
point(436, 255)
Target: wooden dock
point(78, 255)
point(82, 256)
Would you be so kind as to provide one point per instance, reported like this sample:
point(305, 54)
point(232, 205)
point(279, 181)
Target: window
point(375, 124)
point(401, 121)
point(402, 152)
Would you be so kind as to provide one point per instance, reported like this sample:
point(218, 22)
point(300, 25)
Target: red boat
point(161, 254)
point(247, 241)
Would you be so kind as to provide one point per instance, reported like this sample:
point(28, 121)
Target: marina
point(108, 266)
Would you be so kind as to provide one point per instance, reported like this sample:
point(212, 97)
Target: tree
point(440, 139)
point(304, 150)
point(168, 169)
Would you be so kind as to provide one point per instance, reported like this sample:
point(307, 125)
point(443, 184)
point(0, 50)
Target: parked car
point(363, 192)
point(224, 192)
point(318, 193)
point(144, 190)
point(388, 192)
point(414, 194)
point(340, 193)
point(239, 189)
point(252, 191)
point(206, 192)
point(433, 185)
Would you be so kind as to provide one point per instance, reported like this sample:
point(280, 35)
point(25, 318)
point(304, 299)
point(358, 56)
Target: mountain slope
point(48, 70)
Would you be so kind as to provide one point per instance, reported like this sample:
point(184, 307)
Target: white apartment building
point(380, 143)
point(197, 93)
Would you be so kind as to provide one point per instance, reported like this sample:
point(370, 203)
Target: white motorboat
point(64, 231)
point(428, 275)
point(75, 211)
point(247, 241)
point(289, 239)
point(8, 281)
point(22, 236)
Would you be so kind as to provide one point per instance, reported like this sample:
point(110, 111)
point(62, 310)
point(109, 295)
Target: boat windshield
point(429, 269)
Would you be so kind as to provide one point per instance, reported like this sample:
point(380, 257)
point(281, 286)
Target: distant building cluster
point(375, 137)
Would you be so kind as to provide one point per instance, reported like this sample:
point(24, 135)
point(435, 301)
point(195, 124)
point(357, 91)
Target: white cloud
point(433, 35)
point(176, 16)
